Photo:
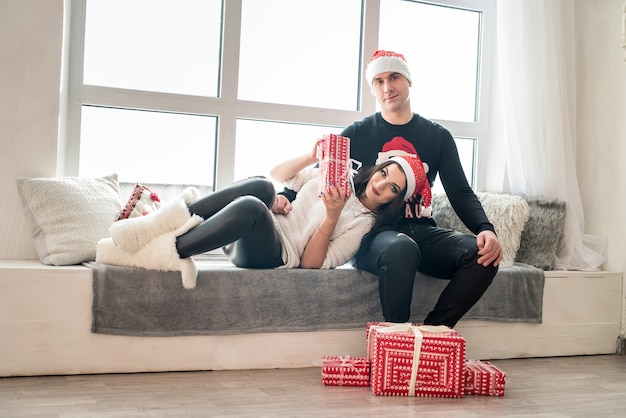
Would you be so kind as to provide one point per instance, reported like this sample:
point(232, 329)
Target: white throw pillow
point(69, 215)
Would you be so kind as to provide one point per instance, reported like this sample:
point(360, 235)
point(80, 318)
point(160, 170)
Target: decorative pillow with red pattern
point(141, 202)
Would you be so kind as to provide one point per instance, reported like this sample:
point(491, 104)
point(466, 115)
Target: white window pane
point(261, 145)
point(441, 45)
point(154, 45)
point(467, 155)
point(147, 147)
point(300, 52)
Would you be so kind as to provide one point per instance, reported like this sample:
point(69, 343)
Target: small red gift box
point(345, 371)
point(334, 156)
point(483, 378)
point(414, 360)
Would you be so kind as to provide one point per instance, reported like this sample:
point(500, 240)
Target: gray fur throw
point(229, 300)
point(542, 234)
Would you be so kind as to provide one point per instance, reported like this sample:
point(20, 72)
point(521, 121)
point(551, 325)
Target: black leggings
point(239, 217)
point(395, 257)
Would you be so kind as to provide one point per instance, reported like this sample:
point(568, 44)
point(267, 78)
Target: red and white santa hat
point(416, 181)
point(384, 61)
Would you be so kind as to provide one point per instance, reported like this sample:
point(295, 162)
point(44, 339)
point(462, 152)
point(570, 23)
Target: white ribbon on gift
point(345, 362)
point(417, 349)
point(352, 170)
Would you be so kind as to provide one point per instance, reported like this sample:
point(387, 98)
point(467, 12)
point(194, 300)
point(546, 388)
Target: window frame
point(227, 108)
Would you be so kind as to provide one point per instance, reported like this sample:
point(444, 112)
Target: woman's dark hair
point(387, 215)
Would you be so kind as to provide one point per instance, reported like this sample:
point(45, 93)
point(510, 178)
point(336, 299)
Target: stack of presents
point(414, 360)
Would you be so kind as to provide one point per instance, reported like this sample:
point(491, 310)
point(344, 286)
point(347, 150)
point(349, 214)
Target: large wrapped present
point(483, 378)
point(335, 165)
point(416, 360)
point(345, 371)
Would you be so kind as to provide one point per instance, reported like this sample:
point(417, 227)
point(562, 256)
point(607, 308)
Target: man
point(469, 262)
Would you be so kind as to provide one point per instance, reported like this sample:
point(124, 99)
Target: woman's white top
point(307, 213)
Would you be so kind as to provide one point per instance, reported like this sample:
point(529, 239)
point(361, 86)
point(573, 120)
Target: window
point(153, 45)
point(206, 92)
point(280, 141)
point(302, 55)
point(143, 145)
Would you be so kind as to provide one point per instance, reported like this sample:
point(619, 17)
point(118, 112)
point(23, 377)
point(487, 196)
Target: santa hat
point(416, 181)
point(398, 143)
point(384, 61)
point(397, 146)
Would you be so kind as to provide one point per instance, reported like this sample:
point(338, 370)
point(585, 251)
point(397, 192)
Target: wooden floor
point(584, 386)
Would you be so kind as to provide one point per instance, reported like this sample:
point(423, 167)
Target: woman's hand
point(334, 199)
point(281, 205)
point(316, 146)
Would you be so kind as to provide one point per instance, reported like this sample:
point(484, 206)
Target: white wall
point(30, 73)
point(30, 69)
point(601, 123)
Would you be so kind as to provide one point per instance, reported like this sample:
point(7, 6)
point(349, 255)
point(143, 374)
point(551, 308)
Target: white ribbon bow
point(352, 170)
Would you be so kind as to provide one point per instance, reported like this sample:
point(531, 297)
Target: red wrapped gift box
point(335, 162)
point(483, 378)
point(345, 371)
point(413, 360)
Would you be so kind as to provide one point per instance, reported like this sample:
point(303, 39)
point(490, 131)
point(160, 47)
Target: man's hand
point(282, 205)
point(489, 249)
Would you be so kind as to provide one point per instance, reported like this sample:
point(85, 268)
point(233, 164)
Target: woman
point(322, 230)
